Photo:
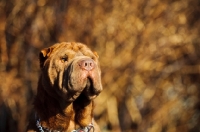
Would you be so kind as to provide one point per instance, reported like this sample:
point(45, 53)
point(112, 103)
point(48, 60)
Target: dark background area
point(149, 54)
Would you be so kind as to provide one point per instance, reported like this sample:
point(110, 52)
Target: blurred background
point(149, 54)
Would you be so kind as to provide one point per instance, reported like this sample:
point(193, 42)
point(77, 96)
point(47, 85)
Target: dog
point(70, 80)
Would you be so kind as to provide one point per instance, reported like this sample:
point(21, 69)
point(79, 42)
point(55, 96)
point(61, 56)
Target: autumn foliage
point(149, 53)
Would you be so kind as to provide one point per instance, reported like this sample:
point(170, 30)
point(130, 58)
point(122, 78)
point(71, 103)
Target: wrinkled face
point(70, 69)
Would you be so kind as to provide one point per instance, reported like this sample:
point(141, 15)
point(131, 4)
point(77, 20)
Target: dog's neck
point(57, 115)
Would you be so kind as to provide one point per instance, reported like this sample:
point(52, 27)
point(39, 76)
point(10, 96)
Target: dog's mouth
point(89, 83)
point(89, 90)
point(78, 82)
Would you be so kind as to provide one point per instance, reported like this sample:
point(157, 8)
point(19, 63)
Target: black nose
point(87, 64)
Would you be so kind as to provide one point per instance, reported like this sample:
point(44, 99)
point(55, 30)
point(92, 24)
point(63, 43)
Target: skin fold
point(70, 79)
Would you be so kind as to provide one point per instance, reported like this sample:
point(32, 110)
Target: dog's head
point(70, 69)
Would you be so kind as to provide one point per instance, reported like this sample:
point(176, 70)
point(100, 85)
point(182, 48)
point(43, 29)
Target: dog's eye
point(64, 58)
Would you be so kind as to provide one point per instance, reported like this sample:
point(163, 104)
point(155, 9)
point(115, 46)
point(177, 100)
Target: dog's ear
point(43, 55)
point(95, 53)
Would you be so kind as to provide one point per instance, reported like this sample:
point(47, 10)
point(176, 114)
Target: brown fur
point(64, 99)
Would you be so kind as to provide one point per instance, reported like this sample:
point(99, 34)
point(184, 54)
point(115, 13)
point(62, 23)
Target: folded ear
point(95, 53)
point(44, 54)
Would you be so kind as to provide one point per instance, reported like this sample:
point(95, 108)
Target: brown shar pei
point(70, 80)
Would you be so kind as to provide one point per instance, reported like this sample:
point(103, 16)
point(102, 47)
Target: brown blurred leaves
point(149, 54)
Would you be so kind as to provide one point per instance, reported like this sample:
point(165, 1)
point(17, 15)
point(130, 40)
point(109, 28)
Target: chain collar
point(83, 129)
point(41, 129)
